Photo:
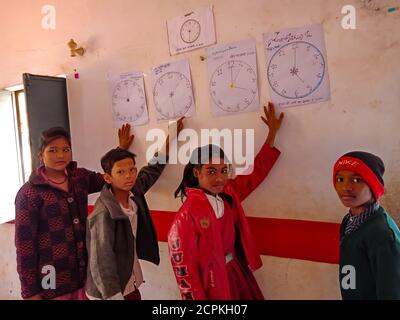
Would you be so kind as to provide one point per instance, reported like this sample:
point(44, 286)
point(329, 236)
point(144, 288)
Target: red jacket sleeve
point(182, 242)
point(264, 161)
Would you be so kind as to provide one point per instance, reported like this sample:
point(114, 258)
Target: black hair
point(49, 135)
point(114, 155)
point(199, 157)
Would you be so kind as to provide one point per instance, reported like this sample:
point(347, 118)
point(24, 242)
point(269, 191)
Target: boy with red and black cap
point(369, 238)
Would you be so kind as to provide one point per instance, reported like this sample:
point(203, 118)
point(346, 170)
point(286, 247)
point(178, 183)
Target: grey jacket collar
point(112, 205)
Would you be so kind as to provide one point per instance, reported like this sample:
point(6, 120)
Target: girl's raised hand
point(272, 122)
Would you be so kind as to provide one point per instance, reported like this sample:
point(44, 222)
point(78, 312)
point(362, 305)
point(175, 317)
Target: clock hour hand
point(127, 93)
point(234, 80)
point(299, 78)
point(295, 72)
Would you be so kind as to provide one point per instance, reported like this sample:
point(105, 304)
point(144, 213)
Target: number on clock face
point(172, 95)
point(296, 70)
point(233, 86)
point(190, 31)
point(128, 95)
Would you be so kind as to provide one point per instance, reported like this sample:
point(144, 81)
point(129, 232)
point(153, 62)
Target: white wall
point(127, 35)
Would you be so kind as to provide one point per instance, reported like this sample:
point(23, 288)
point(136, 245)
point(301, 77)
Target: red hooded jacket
point(195, 244)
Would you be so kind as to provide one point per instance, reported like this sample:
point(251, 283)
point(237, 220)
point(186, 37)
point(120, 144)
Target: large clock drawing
point(233, 86)
point(128, 101)
point(190, 31)
point(173, 95)
point(296, 70)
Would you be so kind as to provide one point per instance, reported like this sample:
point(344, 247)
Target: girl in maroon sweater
point(50, 220)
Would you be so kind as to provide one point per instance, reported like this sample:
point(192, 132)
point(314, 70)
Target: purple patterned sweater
point(50, 227)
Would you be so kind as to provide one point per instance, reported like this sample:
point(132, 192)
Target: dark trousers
point(135, 295)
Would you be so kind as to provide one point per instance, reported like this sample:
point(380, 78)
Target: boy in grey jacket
point(120, 230)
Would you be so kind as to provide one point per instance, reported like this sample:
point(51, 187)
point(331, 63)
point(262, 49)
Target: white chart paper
point(232, 77)
point(128, 99)
point(172, 90)
point(297, 72)
point(191, 31)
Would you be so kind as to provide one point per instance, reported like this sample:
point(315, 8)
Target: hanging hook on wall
point(74, 48)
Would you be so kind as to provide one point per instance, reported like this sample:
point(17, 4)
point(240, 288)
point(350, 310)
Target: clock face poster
point(191, 31)
point(128, 99)
point(297, 72)
point(172, 90)
point(232, 77)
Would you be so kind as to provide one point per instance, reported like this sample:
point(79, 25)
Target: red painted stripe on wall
point(297, 239)
point(286, 238)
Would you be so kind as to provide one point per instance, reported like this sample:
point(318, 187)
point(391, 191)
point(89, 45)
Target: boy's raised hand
point(272, 122)
point(124, 136)
point(179, 125)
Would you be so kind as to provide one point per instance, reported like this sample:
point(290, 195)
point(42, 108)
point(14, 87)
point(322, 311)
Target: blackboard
point(47, 106)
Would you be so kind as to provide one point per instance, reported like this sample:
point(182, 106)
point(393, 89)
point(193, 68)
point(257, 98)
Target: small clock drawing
point(190, 31)
point(173, 95)
point(128, 101)
point(233, 86)
point(296, 70)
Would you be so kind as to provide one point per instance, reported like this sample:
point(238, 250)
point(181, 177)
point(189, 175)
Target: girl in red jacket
point(211, 247)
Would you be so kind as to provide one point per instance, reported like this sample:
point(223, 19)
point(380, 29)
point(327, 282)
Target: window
point(10, 162)
point(25, 111)
point(23, 135)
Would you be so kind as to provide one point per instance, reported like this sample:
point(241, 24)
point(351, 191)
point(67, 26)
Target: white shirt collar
point(217, 203)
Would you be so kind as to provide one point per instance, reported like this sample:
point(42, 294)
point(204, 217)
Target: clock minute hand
point(241, 88)
point(176, 87)
point(173, 105)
